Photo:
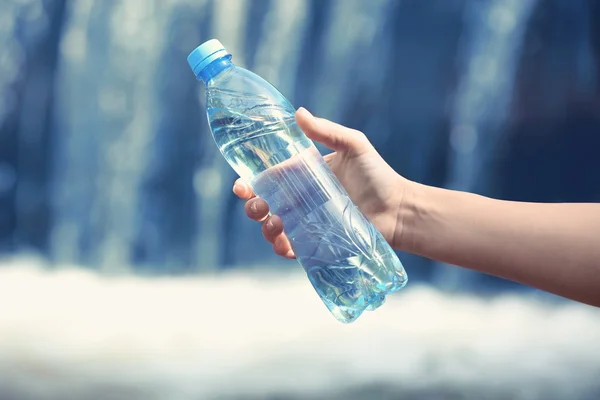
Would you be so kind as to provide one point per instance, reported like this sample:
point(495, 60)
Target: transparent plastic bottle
point(347, 260)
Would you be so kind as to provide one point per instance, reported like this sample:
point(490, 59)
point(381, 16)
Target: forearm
point(553, 247)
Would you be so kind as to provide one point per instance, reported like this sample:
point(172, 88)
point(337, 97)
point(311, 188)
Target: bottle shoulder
point(239, 88)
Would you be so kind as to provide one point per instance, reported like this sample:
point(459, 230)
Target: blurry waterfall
point(138, 178)
point(106, 159)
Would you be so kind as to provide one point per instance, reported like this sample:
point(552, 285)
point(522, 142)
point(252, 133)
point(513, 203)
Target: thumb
point(335, 136)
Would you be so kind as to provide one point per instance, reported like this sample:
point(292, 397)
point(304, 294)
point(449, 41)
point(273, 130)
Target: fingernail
point(254, 207)
point(304, 110)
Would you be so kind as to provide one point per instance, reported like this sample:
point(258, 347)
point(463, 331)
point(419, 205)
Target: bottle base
point(349, 313)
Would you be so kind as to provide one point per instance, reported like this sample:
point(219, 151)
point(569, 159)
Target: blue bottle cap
point(204, 54)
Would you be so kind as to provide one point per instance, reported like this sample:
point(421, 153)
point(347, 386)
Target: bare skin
point(553, 247)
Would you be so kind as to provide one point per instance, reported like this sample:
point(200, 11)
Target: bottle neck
point(215, 68)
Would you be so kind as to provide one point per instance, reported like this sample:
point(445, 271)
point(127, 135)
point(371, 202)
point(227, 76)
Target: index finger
point(243, 190)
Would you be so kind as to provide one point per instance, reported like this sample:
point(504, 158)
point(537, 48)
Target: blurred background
point(129, 271)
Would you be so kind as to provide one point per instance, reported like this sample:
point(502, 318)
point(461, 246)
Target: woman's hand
point(372, 184)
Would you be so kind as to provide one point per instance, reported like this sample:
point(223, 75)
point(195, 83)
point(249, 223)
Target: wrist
point(412, 204)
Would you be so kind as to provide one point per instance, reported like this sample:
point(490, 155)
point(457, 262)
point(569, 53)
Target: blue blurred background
point(130, 271)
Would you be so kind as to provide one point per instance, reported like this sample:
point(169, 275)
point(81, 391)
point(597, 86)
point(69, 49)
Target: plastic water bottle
point(347, 260)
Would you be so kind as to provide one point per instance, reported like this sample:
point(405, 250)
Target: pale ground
point(74, 335)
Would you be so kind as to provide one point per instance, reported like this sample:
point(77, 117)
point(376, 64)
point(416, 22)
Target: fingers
point(282, 247)
point(242, 190)
point(272, 227)
point(332, 135)
point(257, 209)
